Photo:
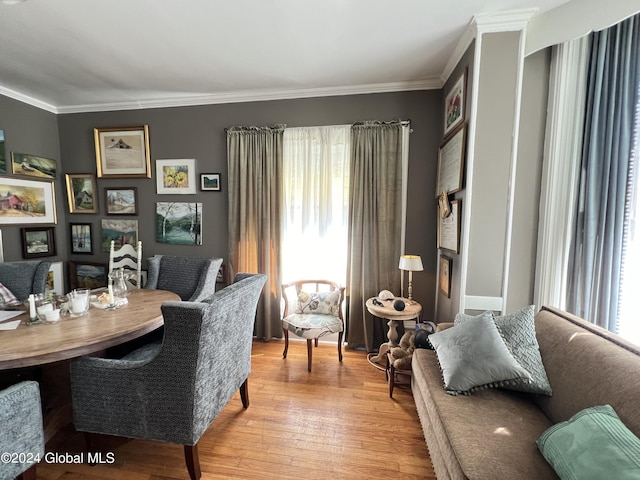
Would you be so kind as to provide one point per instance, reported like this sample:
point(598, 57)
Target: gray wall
point(198, 132)
point(34, 131)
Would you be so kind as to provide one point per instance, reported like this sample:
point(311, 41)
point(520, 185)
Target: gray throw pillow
point(473, 355)
point(519, 333)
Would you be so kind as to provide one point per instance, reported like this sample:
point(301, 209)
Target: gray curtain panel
point(375, 225)
point(601, 223)
point(254, 157)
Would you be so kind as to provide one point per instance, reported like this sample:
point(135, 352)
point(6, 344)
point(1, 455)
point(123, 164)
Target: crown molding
point(7, 92)
point(244, 96)
point(510, 21)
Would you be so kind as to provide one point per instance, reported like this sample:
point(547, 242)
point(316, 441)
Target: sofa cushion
point(488, 435)
point(519, 333)
point(473, 355)
point(591, 445)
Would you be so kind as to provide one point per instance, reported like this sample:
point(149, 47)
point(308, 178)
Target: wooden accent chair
point(192, 278)
point(128, 258)
point(172, 391)
point(312, 309)
point(21, 430)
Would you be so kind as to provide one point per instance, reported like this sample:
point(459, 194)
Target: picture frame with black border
point(87, 274)
point(121, 200)
point(81, 238)
point(210, 182)
point(38, 242)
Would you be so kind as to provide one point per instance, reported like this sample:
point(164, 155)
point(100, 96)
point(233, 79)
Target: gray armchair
point(24, 278)
point(172, 391)
point(21, 430)
point(192, 278)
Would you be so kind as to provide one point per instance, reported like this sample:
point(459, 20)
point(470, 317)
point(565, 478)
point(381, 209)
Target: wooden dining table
point(42, 351)
point(68, 338)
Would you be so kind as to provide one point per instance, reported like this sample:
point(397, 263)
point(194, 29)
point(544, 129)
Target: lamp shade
point(412, 263)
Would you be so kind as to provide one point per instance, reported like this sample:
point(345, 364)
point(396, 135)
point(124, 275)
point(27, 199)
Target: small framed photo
point(121, 201)
point(33, 166)
point(210, 182)
point(82, 193)
point(444, 276)
point(38, 242)
point(123, 152)
point(87, 275)
point(81, 239)
point(176, 176)
point(454, 104)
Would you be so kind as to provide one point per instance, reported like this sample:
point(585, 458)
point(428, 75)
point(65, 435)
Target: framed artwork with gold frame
point(123, 152)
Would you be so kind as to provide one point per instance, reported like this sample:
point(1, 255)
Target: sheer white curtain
point(316, 202)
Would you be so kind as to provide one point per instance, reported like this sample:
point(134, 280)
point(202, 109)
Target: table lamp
point(411, 263)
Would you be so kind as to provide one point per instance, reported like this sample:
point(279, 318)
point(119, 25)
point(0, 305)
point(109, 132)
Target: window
point(316, 202)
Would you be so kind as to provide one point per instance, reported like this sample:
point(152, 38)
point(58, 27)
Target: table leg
point(392, 335)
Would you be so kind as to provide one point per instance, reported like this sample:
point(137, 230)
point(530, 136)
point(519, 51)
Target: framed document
point(451, 162)
point(449, 229)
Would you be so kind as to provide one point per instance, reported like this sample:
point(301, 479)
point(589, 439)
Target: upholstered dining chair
point(192, 278)
point(21, 430)
point(173, 391)
point(23, 278)
point(312, 309)
point(128, 258)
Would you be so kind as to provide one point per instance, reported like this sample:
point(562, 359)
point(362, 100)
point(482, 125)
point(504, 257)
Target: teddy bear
point(402, 354)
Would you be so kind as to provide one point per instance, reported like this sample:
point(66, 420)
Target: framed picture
point(444, 276)
point(87, 275)
point(38, 242)
point(23, 164)
point(451, 162)
point(449, 229)
point(222, 274)
point(120, 231)
point(121, 201)
point(81, 239)
point(1, 248)
point(55, 278)
point(179, 223)
point(454, 104)
point(123, 152)
point(3, 158)
point(210, 181)
point(81, 193)
point(26, 201)
point(176, 176)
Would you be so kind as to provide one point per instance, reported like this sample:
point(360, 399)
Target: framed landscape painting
point(87, 275)
point(55, 278)
point(81, 239)
point(210, 181)
point(81, 193)
point(123, 152)
point(26, 201)
point(121, 201)
point(33, 166)
point(179, 223)
point(120, 231)
point(38, 242)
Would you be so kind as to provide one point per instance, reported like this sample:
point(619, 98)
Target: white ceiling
point(83, 55)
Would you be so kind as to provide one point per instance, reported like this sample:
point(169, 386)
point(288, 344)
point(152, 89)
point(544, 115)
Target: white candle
point(42, 309)
point(111, 299)
point(78, 304)
point(32, 306)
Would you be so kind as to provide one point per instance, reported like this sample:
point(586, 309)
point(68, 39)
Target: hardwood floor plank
point(334, 422)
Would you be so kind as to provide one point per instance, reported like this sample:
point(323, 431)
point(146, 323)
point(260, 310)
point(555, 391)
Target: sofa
point(492, 433)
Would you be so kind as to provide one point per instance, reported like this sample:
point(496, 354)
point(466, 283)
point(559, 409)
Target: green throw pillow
point(592, 445)
point(519, 333)
point(473, 355)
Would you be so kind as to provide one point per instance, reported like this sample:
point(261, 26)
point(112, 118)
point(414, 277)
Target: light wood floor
point(336, 422)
